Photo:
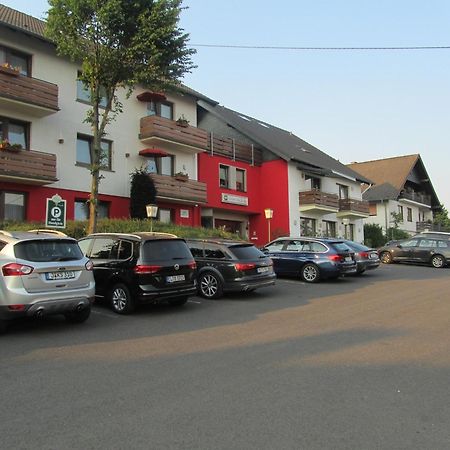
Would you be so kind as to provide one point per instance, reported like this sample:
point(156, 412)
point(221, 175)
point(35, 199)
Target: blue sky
point(354, 105)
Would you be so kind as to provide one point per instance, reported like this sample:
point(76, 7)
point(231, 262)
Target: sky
point(355, 105)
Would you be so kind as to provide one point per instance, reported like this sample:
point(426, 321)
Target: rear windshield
point(246, 252)
point(48, 250)
point(341, 247)
point(165, 249)
point(357, 246)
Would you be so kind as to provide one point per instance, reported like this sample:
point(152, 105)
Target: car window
point(103, 248)
point(48, 250)
point(275, 246)
point(442, 244)
point(84, 245)
point(214, 252)
point(356, 246)
point(411, 243)
point(341, 247)
point(317, 247)
point(427, 243)
point(196, 249)
point(246, 251)
point(2, 245)
point(125, 250)
point(165, 249)
point(294, 246)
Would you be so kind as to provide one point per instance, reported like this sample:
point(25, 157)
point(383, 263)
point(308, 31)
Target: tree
point(143, 192)
point(119, 44)
point(441, 220)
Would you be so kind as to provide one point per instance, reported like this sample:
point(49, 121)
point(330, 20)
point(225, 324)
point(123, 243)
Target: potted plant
point(6, 145)
point(181, 176)
point(9, 69)
point(182, 121)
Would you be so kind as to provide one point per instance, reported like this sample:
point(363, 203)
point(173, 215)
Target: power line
point(274, 47)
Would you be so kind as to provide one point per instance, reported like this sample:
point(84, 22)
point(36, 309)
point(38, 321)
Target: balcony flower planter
point(9, 70)
point(181, 176)
point(182, 122)
point(5, 146)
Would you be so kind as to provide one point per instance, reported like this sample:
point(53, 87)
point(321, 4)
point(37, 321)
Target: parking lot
point(360, 362)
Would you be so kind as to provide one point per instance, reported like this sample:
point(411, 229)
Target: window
point(349, 232)
point(162, 165)
point(161, 109)
point(275, 246)
point(125, 250)
point(224, 172)
point(12, 206)
point(14, 131)
point(103, 249)
point(82, 210)
point(16, 59)
point(84, 152)
point(428, 243)
point(196, 249)
point(315, 182)
point(240, 180)
point(307, 226)
point(411, 243)
point(409, 214)
point(214, 252)
point(165, 215)
point(400, 213)
point(343, 191)
point(84, 93)
point(329, 228)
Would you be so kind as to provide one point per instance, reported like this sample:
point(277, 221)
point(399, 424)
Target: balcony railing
point(154, 129)
point(318, 199)
point(416, 197)
point(352, 205)
point(228, 147)
point(37, 96)
point(170, 189)
point(28, 167)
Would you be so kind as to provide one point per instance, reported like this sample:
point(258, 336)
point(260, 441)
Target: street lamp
point(268, 212)
point(152, 212)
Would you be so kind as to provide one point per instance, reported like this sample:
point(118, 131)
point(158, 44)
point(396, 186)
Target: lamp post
point(152, 212)
point(268, 212)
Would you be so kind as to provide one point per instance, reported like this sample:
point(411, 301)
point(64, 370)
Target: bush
point(373, 235)
point(394, 234)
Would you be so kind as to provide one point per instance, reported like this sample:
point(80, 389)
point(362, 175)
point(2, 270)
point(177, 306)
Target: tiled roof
point(21, 21)
point(394, 170)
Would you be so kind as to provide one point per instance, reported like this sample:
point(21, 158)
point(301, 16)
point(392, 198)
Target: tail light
point(192, 265)
point(16, 307)
point(89, 265)
point(241, 267)
point(16, 270)
point(142, 269)
point(364, 254)
point(335, 258)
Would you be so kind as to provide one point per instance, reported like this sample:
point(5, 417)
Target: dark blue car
point(311, 259)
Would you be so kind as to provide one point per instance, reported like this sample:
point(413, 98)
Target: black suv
point(225, 266)
point(140, 268)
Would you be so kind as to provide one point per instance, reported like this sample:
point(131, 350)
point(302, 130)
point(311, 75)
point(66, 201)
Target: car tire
point(180, 301)
point(438, 261)
point(310, 273)
point(210, 285)
point(386, 258)
point(78, 316)
point(120, 299)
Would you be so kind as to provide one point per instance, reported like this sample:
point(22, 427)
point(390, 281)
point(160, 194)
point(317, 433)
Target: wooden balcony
point(416, 197)
point(228, 147)
point(170, 189)
point(28, 167)
point(353, 209)
point(28, 95)
point(167, 133)
point(318, 202)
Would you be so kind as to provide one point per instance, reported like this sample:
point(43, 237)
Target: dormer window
point(16, 59)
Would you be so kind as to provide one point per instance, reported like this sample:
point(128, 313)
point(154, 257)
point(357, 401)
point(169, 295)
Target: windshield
point(48, 250)
point(246, 252)
point(158, 250)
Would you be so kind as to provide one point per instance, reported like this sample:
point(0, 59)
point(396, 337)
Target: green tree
point(143, 192)
point(119, 44)
point(441, 220)
point(373, 235)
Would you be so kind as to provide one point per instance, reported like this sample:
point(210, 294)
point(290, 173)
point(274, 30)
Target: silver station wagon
point(43, 274)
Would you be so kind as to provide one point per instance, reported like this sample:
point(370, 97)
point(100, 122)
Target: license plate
point(262, 269)
point(174, 278)
point(60, 275)
point(348, 258)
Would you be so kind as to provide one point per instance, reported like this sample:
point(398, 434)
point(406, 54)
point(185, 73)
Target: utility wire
point(274, 47)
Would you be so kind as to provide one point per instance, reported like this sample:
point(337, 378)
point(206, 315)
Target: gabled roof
point(378, 192)
point(282, 143)
point(23, 22)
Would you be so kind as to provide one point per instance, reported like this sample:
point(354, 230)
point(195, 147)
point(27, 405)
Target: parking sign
point(55, 215)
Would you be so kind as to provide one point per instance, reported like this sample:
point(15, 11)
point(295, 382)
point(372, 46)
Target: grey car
point(43, 274)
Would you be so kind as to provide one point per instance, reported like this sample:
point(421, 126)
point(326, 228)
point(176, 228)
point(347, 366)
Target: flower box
point(10, 71)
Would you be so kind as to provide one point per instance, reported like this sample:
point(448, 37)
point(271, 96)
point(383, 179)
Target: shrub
point(373, 235)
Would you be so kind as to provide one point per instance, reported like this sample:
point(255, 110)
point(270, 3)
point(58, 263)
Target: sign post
point(55, 213)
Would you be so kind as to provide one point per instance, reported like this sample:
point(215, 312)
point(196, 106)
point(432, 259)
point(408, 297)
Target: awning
point(150, 96)
point(153, 152)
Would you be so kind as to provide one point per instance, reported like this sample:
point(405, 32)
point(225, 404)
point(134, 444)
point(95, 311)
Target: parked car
point(366, 258)
point(130, 269)
point(43, 274)
point(428, 248)
point(227, 265)
point(311, 258)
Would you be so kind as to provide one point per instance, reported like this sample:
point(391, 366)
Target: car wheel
point(310, 273)
point(78, 316)
point(120, 299)
point(386, 258)
point(210, 285)
point(438, 261)
point(178, 301)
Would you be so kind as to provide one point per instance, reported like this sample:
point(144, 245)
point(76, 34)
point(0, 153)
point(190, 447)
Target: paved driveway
point(357, 363)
